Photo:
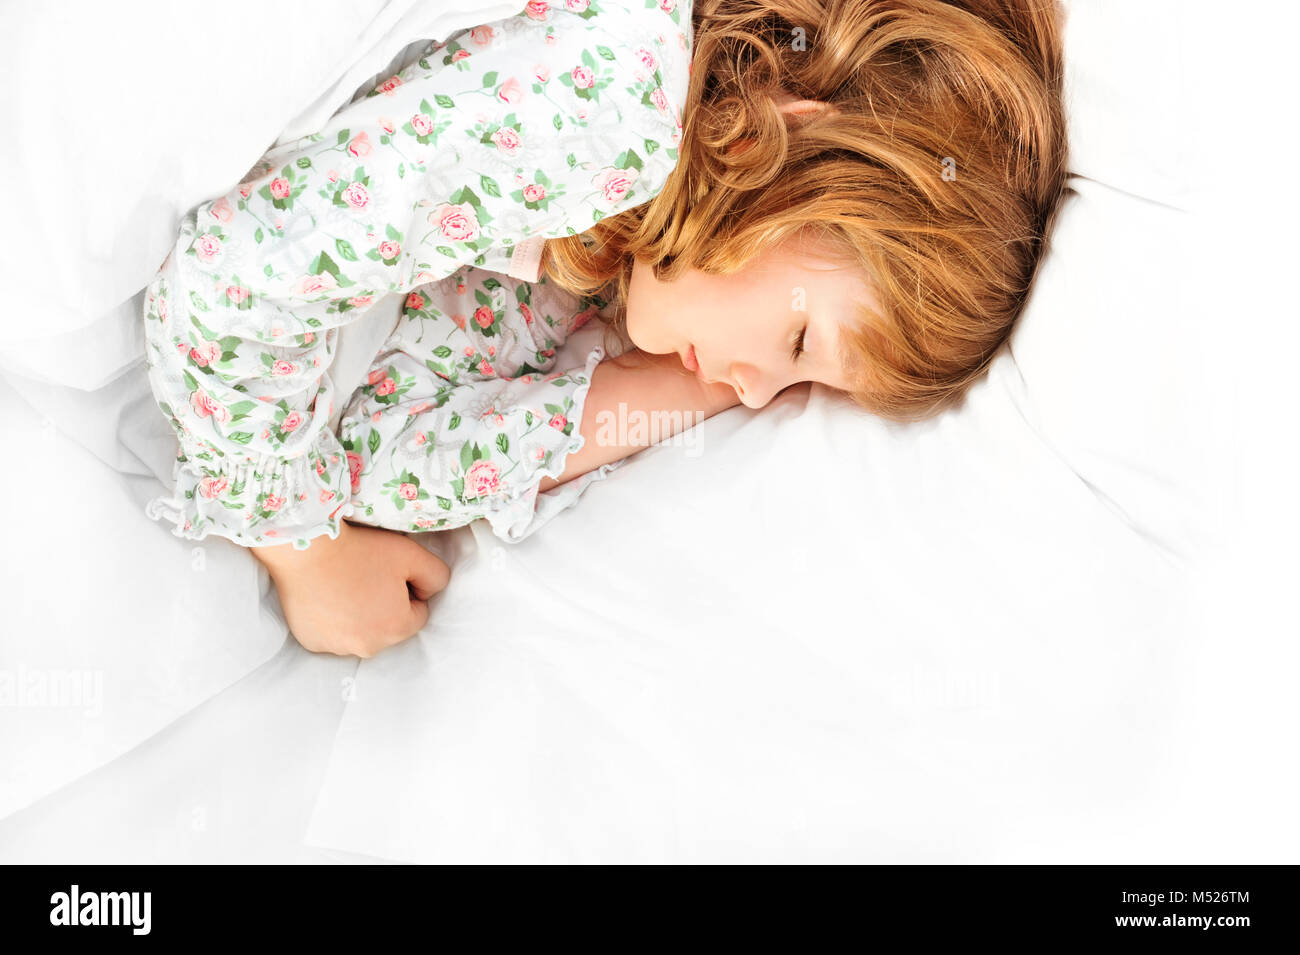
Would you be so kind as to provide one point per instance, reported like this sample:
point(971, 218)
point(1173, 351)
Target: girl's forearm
point(658, 390)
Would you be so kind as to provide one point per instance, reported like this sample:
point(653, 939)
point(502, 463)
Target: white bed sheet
point(824, 637)
point(234, 780)
point(111, 627)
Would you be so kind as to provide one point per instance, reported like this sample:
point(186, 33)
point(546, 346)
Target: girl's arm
point(472, 411)
point(659, 392)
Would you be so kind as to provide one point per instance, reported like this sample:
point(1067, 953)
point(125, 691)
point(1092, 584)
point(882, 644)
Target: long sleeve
point(533, 127)
point(467, 408)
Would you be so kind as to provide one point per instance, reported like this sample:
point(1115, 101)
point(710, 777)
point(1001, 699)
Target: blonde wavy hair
point(937, 170)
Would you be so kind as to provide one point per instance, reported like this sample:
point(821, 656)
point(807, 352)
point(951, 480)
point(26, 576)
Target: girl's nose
point(738, 382)
point(751, 388)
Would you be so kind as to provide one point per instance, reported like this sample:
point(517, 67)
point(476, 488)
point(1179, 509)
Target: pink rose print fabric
point(463, 411)
point(533, 127)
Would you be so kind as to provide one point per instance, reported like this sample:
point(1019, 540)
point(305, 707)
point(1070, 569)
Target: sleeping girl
point(748, 194)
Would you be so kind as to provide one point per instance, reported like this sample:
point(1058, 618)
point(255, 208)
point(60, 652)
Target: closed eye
point(798, 344)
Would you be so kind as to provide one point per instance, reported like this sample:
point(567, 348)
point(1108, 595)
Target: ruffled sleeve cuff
point(258, 502)
point(525, 511)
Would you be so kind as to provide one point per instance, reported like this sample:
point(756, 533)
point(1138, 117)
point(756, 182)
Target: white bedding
point(120, 122)
point(1048, 626)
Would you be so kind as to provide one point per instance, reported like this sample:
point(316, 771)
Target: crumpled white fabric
point(105, 156)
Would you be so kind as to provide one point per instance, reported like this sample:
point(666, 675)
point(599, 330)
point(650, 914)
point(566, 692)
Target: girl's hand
point(349, 596)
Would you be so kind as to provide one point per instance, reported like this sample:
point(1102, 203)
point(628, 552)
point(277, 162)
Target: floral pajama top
point(442, 183)
point(461, 415)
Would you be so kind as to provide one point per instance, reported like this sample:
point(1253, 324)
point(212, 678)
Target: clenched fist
point(355, 595)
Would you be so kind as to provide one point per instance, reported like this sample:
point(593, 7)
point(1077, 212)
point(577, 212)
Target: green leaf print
point(323, 263)
point(503, 443)
point(345, 249)
point(629, 160)
point(206, 332)
point(372, 442)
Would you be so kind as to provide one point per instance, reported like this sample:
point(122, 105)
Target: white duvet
point(1044, 627)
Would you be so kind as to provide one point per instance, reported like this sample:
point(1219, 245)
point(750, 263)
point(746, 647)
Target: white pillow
point(1127, 74)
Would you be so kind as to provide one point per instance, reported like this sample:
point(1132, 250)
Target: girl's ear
point(802, 106)
point(787, 104)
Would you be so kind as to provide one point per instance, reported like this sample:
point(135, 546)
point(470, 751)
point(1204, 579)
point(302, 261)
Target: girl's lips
point(690, 361)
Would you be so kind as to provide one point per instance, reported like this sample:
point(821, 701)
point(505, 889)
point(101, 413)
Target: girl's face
point(774, 324)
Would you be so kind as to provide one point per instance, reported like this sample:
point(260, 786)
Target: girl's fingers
point(419, 615)
point(426, 574)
